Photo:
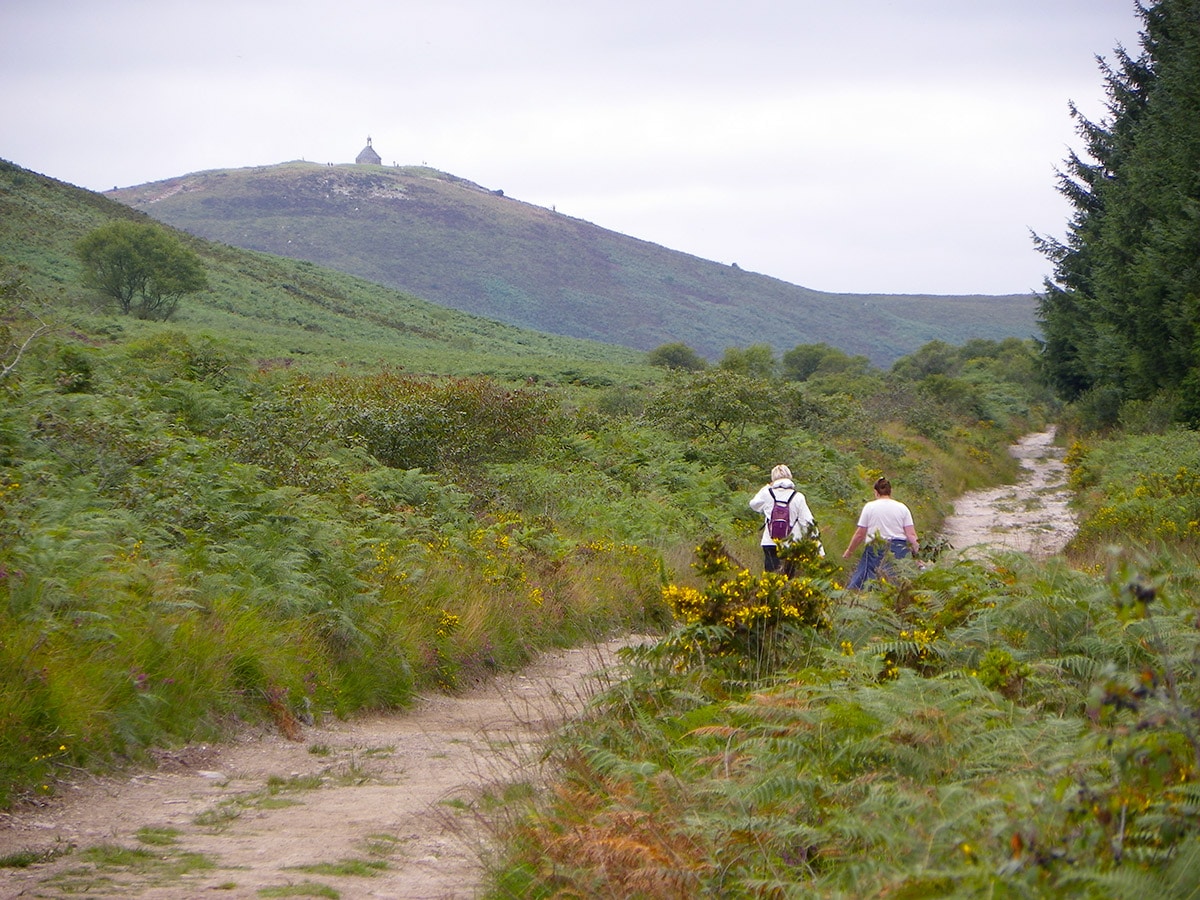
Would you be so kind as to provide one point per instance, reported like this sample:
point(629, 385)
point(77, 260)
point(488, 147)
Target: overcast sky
point(869, 146)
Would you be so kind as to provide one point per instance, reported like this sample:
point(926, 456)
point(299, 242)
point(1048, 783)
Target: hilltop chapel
point(368, 156)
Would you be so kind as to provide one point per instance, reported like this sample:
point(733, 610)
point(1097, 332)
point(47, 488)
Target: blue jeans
point(873, 562)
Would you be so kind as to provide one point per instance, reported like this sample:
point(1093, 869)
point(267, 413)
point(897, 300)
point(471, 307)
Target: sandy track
point(393, 790)
point(1032, 516)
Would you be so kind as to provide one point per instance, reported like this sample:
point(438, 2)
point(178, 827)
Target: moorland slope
point(275, 307)
point(455, 243)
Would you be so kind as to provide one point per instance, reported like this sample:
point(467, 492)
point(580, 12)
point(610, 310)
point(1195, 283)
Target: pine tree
point(1120, 312)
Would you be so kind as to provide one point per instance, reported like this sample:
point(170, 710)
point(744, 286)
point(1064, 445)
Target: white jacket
point(801, 515)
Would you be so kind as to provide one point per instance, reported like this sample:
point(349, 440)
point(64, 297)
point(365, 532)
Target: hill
point(270, 306)
point(460, 245)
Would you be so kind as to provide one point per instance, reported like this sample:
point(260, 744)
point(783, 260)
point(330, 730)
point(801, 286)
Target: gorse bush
point(1140, 488)
point(742, 616)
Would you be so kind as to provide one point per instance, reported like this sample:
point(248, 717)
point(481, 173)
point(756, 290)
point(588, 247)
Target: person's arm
point(910, 533)
point(860, 535)
point(760, 501)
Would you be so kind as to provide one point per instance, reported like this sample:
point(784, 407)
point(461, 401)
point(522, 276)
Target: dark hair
point(883, 486)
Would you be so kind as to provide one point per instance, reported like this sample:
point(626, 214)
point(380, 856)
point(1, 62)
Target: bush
point(1017, 731)
point(452, 425)
point(1137, 490)
point(740, 615)
point(677, 356)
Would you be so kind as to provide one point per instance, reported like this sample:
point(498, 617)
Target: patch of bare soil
point(383, 806)
point(1032, 516)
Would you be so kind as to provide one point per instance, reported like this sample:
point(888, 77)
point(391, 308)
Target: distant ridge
point(460, 245)
point(274, 310)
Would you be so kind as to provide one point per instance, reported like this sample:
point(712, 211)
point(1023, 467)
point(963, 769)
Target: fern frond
point(1179, 879)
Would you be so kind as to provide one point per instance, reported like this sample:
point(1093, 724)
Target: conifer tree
point(1121, 312)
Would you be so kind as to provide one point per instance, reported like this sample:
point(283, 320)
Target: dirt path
point(379, 807)
point(1032, 515)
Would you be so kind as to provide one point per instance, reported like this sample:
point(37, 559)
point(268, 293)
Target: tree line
point(1120, 313)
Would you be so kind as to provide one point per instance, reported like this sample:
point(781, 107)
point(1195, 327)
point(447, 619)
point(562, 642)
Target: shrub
point(910, 752)
point(1137, 489)
point(451, 425)
point(676, 355)
point(740, 614)
point(73, 374)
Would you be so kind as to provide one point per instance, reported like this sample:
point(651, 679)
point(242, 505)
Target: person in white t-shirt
point(886, 527)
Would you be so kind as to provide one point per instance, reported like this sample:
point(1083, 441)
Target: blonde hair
point(780, 471)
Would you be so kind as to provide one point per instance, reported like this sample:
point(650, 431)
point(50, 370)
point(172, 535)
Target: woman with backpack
point(787, 516)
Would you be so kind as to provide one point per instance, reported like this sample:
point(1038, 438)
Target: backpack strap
point(775, 499)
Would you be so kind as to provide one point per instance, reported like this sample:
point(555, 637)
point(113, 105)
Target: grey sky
point(893, 147)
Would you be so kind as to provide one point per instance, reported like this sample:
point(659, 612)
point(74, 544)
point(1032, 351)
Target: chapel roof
point(368, 156)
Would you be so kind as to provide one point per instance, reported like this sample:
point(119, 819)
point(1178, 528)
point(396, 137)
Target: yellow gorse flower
point(447, 623)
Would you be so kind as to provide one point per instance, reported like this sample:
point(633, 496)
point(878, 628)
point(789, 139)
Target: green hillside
point(460, 245)
point(275, 307)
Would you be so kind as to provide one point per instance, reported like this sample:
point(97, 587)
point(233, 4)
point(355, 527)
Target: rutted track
point(1032, 516)
point(394, 791)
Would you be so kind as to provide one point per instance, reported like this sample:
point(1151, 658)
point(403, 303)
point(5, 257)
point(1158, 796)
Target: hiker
point(886, 526)
point(791, 521)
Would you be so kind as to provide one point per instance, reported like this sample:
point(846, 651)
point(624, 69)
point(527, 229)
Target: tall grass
point(1136, 488)
point(174, 565)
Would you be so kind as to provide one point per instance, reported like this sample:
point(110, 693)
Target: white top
point(801, 515)
point(885, 517)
